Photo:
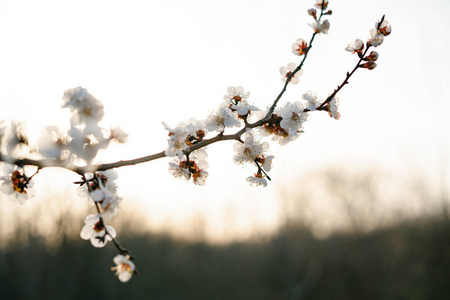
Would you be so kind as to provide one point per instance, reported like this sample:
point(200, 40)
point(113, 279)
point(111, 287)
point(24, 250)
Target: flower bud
point(329, 12)
point(313, 13)
point(373, 56)
point(369, 65)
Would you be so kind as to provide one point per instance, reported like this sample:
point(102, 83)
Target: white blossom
point(300, 47)
point(86, 110)
point(222, 118)
point(334, 109)
point(124, 267)
point(177, 140)
point(312, 100)
point(16, 185)
point(95, 231)
point(236, 94)
point(179, 170)
point(250, 149)
point(320, 27)
point(257, 180)
point(356, 46)
point(287, 71)
point(293, 116)
point(376, 39)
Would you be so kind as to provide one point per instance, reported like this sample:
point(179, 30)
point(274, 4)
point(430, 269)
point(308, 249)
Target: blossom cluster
point(377, 35)
point(250, 127)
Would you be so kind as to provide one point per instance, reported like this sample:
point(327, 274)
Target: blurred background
point(356, 209)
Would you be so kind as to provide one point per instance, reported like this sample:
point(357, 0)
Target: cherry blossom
point(333, 109)
point(185, 169)
point(320, 27)
point(288, 71)
point(385, 28)
point(16, 185)
point(250, 150)
point(124, 267)
point(293, 116)
point(300, 47)
point(376, 39)
point(95, 231)
point(222, 118)
point(357, 46)
point(235, 95)
point(312, 100)
point(258, 180)
point(177, 140)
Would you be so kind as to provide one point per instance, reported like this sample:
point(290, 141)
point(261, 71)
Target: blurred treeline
point(410, 261)
point(373, 253)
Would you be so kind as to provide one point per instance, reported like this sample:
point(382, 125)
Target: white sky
point(150, 61)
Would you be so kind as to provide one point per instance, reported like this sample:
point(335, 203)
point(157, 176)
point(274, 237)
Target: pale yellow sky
point(153, 61)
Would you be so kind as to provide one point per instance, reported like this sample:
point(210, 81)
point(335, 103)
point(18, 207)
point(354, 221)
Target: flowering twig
point(297, 69)
point(358, 65)
point(77, 149)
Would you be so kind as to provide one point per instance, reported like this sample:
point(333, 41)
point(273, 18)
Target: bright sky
point(153, 61)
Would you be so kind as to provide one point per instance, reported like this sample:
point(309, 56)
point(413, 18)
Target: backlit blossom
point(110, 205)
point(250, 149)
point(102, 181)
point(300, 47)
point(16, 185)
point(118, 135)
point(186, 169)
point(356, 46)
point(85, 108)
point(312, 100)
point(244, 108)
point(293, 116)
point(333, 109)
point(95, 231)
point(222, 118)
point(177, 140)
point(320, 27)
point(287, 71)
point(385, 28)
point(266, 162)
point(178, 169)
point(258, 180)
point(53, 143)
point(236, 94)
point(236, 100)
point(124, 267)
point(376, 39)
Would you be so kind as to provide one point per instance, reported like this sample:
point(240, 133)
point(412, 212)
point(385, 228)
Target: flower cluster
point(188, 164)
point(377, 35)
point(254, 151)
point(85, 137)
point(187, 168)
point(101, 188)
